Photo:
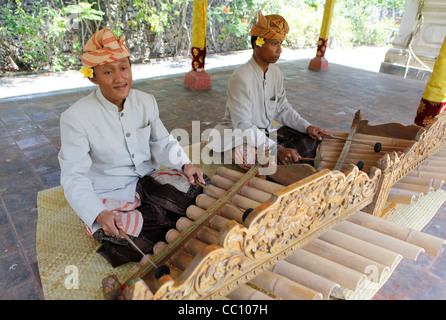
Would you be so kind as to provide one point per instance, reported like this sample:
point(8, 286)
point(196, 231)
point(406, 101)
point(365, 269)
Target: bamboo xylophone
point(261, 225)
point(263, 242)
point(427, 177)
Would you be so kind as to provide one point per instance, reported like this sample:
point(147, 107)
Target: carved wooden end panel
point(213, 268)
point(301, 209)
point(396, 165)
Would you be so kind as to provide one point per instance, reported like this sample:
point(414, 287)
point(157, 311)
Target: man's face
point(114, 79)
point(270, 50)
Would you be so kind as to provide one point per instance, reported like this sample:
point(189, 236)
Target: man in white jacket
point(256, 97)
point(111, 142)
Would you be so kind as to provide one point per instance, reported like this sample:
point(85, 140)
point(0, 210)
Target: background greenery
point(49, 34)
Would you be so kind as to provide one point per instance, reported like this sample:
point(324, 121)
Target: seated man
point(256, 97)
point(112, 143)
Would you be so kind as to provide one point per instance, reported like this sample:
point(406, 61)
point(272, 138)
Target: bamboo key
point(359, 164)
point(376, 147)
point(171, 249)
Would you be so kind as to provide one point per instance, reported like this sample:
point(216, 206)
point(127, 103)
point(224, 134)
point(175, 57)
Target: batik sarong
point(161, 199)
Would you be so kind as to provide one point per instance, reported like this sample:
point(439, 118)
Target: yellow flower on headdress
point(260, 41)
point(88, 72)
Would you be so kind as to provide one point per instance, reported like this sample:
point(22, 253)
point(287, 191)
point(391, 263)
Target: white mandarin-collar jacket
point(104, 152)
point(254, 100)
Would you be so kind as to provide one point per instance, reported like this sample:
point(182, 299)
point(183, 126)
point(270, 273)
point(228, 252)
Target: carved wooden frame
point(395, 166)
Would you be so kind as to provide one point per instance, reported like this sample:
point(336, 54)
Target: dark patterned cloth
point(301, 142)
point(161, 206)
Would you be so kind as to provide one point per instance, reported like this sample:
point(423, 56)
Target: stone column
point(197, 78)
point(320, 62)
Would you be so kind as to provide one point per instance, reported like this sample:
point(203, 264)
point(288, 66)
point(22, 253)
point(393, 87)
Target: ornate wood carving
point(301, 209)
point(211, 269)
point(295, 215)
point(275, 229)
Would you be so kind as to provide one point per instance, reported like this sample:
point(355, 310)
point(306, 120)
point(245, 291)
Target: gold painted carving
point(211, 269)
point(428, 141)
point(395, 165)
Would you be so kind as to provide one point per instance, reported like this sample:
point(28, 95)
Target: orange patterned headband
point(102, 48)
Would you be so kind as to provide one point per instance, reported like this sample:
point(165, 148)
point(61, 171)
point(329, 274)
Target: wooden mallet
point(376, 147)
point(160, 270)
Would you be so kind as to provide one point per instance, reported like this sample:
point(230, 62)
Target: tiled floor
point(30, 138)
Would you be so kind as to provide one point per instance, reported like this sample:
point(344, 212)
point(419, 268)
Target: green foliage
point(158, 15)
point(397, 4)
point(305, 22)
point(236, 17)
point(233, 23)
point(151, 15)
point(86, 16)
point(84, 11)
point(357, 22)
point(38, 32)
point(354, 22)
point(34, 36)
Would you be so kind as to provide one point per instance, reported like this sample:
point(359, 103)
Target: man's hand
point(190, 171)
point(287, 156)
point(317, 133)
point(110, 223)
